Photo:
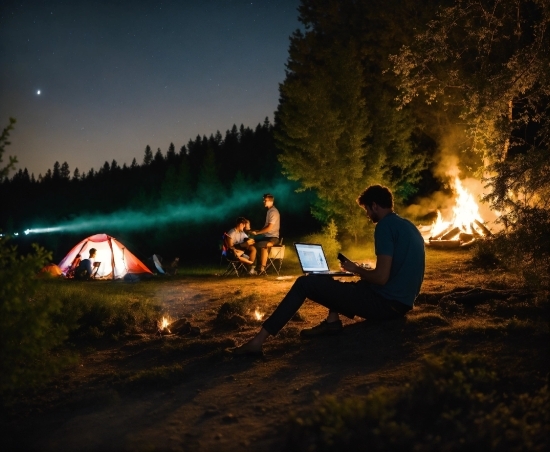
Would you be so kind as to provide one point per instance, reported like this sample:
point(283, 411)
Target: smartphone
point(342, 258)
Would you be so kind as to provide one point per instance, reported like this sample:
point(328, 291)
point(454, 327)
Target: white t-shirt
point(273, 217)
point(236, 236)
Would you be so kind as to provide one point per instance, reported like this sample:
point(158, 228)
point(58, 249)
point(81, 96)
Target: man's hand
point(379, 275)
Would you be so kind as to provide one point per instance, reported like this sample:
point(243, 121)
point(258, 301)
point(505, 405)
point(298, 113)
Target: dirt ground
point(186, 393)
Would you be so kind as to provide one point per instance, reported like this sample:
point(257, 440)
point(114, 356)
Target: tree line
point(207, 170)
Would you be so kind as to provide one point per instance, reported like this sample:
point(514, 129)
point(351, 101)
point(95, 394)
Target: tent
point(116, 260)
point(50, 270)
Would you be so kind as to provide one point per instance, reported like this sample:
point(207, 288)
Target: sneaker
point(252, 272)
point(323, 329)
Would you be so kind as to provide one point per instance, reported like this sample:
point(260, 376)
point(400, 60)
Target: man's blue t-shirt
point(399, 238)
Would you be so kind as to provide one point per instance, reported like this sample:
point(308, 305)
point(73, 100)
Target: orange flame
point(257, 314)
point(465, 212)
point(163, 323)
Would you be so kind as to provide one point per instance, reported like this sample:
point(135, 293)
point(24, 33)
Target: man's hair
point(92, 251)
point(376, 193)
point(269, 196)
point(240, 220)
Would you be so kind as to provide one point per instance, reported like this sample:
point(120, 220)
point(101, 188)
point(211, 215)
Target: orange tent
point(116, 261)
point(50, 270)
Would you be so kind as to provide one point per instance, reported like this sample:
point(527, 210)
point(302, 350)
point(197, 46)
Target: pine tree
point(148, 157)
point(64, 172)
point(336, 125)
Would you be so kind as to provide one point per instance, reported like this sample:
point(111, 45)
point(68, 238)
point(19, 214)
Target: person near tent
point(239, 246)
point(85, 267)
point(74, 265)
point(385, 292)
point(269, 234)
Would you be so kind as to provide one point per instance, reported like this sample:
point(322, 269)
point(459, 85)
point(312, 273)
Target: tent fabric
point(116, 260)
point(50, 270)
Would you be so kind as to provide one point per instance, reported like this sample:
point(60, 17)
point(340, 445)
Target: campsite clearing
point(152, 392)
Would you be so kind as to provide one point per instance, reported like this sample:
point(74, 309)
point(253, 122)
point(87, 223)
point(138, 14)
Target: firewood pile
point(460, 237)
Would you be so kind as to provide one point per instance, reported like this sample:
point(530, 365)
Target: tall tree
point(3, 143)
point(148, 156)
point(336, 124)
point(490, 59)
point(65, 172)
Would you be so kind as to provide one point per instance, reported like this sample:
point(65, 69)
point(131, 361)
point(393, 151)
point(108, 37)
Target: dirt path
point(203, 399)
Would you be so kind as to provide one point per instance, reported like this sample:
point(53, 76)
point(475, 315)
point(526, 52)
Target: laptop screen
point(311, 257)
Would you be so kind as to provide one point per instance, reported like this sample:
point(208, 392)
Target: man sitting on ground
point(85, 267)
point(269, 234)
point(386, 292)
point(239, 245)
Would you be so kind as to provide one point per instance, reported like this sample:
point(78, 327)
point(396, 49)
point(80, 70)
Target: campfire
point(465, 227)
point(258, 315)
point(162, 326)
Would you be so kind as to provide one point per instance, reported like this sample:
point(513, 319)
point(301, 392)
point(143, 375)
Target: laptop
point(313, 261)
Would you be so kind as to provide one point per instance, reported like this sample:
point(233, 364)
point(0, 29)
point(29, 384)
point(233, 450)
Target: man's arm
point(379, 275)
point(265, 229)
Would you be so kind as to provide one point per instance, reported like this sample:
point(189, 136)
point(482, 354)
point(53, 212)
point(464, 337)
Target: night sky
point(93, 81)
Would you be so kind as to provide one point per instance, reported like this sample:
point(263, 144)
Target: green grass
point(104, 308)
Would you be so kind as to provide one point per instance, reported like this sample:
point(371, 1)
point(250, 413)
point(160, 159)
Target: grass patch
point(102, 309)
point(451, 405)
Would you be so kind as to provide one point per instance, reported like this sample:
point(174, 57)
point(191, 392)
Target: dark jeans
point(348, 298)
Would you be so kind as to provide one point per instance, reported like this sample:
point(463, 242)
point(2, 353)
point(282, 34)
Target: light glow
point(465, 212)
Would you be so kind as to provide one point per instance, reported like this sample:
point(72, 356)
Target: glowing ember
point(257, 314)
point(163, 323)
point(465, 214)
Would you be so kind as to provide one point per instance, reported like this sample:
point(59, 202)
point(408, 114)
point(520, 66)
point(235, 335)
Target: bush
point(327, 238)
point(451, 405)
point(29, 327)
point(525, 246)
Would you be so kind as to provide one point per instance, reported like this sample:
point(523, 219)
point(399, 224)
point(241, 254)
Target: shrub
point(29, 325)
point(451, 405)
point(327, 238)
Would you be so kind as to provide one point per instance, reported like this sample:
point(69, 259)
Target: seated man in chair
point(269, 234)
point(238, 244)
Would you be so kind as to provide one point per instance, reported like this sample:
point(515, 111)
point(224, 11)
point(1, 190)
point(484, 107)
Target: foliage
point(531, 258)
point(327, 238)
point(489, 61)
point(29, 329)
point(451, 405)
point(3, 143)
point(336, 124)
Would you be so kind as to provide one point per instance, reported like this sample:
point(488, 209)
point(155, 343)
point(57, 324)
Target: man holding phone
point(385, 292)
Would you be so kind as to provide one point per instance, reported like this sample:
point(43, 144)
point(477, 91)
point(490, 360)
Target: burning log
point(483, 228)
point(468, 244)
point(475, 231)
point(441, 234)
point(445, 243)
point(449, 235)
point(465, 237)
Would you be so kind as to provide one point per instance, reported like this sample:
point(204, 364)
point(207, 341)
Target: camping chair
point(234, 266)
point(275, 257)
